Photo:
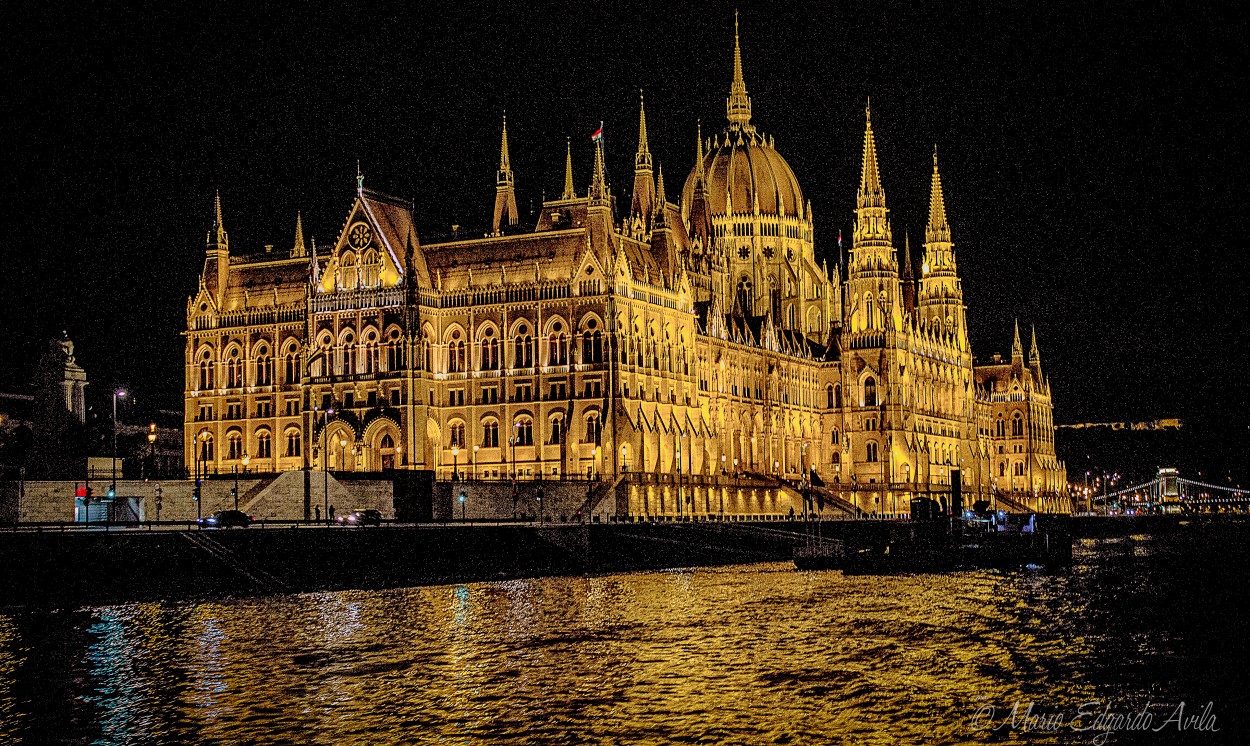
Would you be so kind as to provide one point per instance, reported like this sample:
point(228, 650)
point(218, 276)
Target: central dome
point(741, 168)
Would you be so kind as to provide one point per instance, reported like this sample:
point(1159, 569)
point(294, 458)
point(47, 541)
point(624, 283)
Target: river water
point(743, 654)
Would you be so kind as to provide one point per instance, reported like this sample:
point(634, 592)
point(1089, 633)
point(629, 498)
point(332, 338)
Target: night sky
point(1094, 182)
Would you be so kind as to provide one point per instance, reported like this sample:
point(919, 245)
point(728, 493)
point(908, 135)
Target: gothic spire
point(568, 171)
point(738, 105)
point(870, 191)
point(700, 176)
point(659, 188)
point(938, 229)
point(1017, 349)
point(298, 249)
point(218, 236)
point(907, 272)
point(599, 178)
point(505, 186)
point(1035, 358)
point(643, 158)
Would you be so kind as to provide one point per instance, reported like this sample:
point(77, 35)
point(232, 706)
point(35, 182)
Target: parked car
point(368, 517)
point(226, 519)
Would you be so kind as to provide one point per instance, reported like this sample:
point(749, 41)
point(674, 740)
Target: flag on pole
point(839, 239)
point(598, 133)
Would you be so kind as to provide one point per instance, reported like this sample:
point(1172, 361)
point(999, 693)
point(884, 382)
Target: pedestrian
point(318, 514)
point(331, 517)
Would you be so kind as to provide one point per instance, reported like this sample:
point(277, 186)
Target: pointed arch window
point(490, 350)
point(293, 444)
point(870, 392)
point(370, 352)
point(291, 365)
point(206, 446)
point(264, 444)
point(1000, 427)
point(264, 367)
point(523, 349)
point(870, 452)
point(557, 345)
point(557, 431)
point(1017, 425)
point(234, 444)
point(746, 298)
point(524, 431)
point(394, 351)
point(372, 269)
point(206, 370)
point(592, 428)
point(490, 434)
point(234, 369)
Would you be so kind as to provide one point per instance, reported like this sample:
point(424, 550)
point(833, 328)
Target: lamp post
point(151, 447)
point(119, 394)
point(475, 447)
point(325, 458)
point(594, 461)
point(462, 505)
point(625, 458)
point(455, 457)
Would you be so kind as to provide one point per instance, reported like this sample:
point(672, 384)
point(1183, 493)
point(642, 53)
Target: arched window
point(394, 351)
point(829, 397)
point(457, 435)
point(455, 353)
point(264, 367)
point(348, 278)
point(834, 437)
point(793, 317)
point(370, 353)
point(557, 345)
point(1002, 469)
point(557, 431)
point(870, 312)
point(837, 395)
point(490, 434)
point(523, 349)
point(234, 369)
point(347, 354)
point(870, 452)
point(234, 443)
point(523, 431)
point(592, 427)
point(1019, 471)
point(206, 446)
point(321, 362)
point(293, 443)
point(1000, 427)
point(592, 343)
point(291, 365)
point(206, 370)
point(1017, 425)
point(870, 392)
point(264, 445)
point(490, 350)
point(372, 269)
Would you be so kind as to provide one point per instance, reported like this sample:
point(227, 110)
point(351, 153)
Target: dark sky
point(1091, 156)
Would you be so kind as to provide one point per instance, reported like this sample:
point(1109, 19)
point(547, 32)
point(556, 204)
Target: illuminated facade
point(667, 345)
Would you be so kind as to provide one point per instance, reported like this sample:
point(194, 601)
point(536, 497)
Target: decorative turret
point(738, 105)
point(700, 227)
point(505, 187)
point(1017, 349)
point(217, 259)
point(872, 248)
point(569, 192)
point(299, 250)
point(644, 181)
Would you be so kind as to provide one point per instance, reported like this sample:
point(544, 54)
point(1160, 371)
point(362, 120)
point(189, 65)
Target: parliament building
point(684, 358)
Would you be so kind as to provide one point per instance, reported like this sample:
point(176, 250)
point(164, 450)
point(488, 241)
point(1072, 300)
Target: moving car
point(367, 517)
point(226, 519)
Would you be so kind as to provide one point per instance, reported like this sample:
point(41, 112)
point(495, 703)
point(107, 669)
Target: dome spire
point(568, 171)
point(738, 105)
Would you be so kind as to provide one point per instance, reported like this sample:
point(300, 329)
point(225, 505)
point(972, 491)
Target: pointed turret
point(569, 193)
point(941, 293)
point(314, 268)
point(738, 105)
point(700, 227)
point(217, 254)
point(660, 198)
point(1017, 349)
point(872, 250)
point(505, 187)
point(299, 250)
point(644, 181)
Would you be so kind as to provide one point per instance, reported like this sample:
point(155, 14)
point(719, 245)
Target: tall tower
point(738, 104)
point(941, 294)
point(505, 187)
point(873, 283)
point(644, 180)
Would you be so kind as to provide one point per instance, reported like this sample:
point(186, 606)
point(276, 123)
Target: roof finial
point(699, 174)
point(1017, 350)
point(360, 180)
point(505, 162)
point(505, 186)
point(219, 226)
point(1035, 358)
point(738, 105)
point(643, 159)
point(659, 187)
point(568, 170)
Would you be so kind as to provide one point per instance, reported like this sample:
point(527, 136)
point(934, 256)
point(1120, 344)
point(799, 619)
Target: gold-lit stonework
point(692, 358)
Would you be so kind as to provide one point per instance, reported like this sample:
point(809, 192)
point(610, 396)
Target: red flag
point(598, 133)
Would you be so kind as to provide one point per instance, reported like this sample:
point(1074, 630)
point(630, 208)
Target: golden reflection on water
point(750, 654)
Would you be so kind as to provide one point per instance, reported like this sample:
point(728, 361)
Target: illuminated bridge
point(1170, 493)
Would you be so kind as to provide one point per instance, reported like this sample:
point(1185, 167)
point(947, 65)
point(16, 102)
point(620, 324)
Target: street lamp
point(475, 447)
point(462, 505)
point(594, 461)
point(152, 445)
point(119, 394)
point(325, 457)
point(625, 458)
point(455, 456)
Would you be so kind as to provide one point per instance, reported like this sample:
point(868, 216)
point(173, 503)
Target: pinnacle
point(569, 193)
point(870, 191)
point(938, 229)
point(505, 162)
point(738, 105)
point(643, 159)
